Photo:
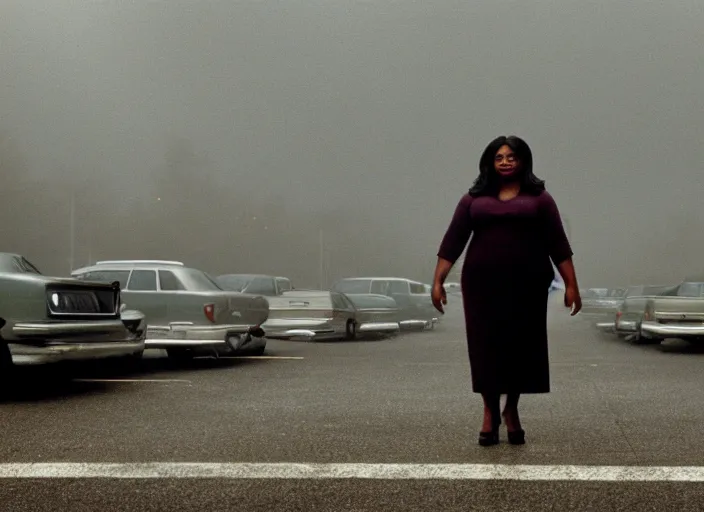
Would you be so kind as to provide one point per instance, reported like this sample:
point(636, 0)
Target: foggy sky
point(385, 106)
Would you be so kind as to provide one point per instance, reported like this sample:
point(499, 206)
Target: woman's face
point(506, 162)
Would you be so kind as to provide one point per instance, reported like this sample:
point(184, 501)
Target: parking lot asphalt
point(405, 400)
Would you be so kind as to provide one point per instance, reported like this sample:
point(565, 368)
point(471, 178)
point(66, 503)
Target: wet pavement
point(405, 400)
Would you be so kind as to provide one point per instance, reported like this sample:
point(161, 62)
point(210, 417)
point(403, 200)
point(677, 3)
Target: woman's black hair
point(487, 183)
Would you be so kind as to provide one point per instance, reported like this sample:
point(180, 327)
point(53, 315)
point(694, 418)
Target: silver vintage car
point(318, 314)
point(628, 316)
point(599, 303)
point(416, 309)
point(49, 319)
point(187, 313)
point(675, 314)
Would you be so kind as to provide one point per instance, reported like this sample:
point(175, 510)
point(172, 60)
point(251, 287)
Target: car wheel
point(258, 351)
point(132, 360)
point(179, 354)
point(351, 330)
point(6, 368)
point(638, 339)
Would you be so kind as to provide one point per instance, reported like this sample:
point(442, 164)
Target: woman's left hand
point(439, 297)
point(573, 299)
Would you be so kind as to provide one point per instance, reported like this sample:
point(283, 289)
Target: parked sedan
point(318, 314)
point(187, 313)
point(49, 319)
point(676, 315)
point(416, 309)
point(629, 314)
point(598, 303)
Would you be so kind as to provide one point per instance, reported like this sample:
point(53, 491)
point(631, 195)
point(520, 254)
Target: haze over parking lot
point(228, 134)
point(322, 408)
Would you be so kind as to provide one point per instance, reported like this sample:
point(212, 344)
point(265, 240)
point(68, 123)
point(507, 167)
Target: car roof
point(139, 262)
point(131, 264)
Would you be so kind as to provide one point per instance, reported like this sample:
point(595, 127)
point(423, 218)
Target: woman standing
point(517, 231)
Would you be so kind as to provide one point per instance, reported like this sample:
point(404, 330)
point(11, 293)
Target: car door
point(420, 297)
point(342, 311)
point(401, 293)
point(339, 312)
point(181, 304)
point(142, 294)
point(378, 286)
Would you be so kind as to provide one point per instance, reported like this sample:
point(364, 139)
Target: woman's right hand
point(438, 296)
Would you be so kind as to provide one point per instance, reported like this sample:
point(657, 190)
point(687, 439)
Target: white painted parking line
point(354, 471)
point(132, 380)
point(261, 357)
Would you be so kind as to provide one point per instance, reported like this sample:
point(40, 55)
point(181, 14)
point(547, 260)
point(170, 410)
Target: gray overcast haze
point(374, 112)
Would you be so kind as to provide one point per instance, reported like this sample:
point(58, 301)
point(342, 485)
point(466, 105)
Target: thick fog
point(232, 135)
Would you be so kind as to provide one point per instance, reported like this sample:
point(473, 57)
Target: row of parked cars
point(120, 308)
point(649, 313)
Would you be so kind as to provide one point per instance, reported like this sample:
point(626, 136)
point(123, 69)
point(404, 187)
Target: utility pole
point(72, 241)
point(321, 260)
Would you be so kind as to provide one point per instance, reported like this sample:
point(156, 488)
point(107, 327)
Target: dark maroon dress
point(505, 281)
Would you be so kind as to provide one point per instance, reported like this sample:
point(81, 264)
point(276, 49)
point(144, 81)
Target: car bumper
point(306, 328)
point(378, 327)
point(197, 336)
point(606, 326)
point(626, 327)
point(56, 352)
point(100, 330)
point(49, 342)
point(417, 324)
point(655, 329)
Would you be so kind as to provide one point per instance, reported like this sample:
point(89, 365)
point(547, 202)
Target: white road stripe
point(261, 357)
point(132, 380)
point(354, 471)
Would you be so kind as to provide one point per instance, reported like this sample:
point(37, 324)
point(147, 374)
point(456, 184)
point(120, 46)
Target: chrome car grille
point(75, 302)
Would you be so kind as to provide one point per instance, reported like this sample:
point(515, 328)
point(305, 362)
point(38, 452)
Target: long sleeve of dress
point(458, 232)
point(558, 245)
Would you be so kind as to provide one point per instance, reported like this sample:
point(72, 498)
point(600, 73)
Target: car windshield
point(637, 291)
point(17, 265)
point(234, 283)
point(198, 281)
point(370, 301)
point(31, 269)
point(689, 290)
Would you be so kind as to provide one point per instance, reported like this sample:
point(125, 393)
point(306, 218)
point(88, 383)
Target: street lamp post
point(321, 270)
point(72, 230)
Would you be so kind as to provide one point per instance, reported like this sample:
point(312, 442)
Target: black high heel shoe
point(492, 437)
point(489, 438)
point(517, 436)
